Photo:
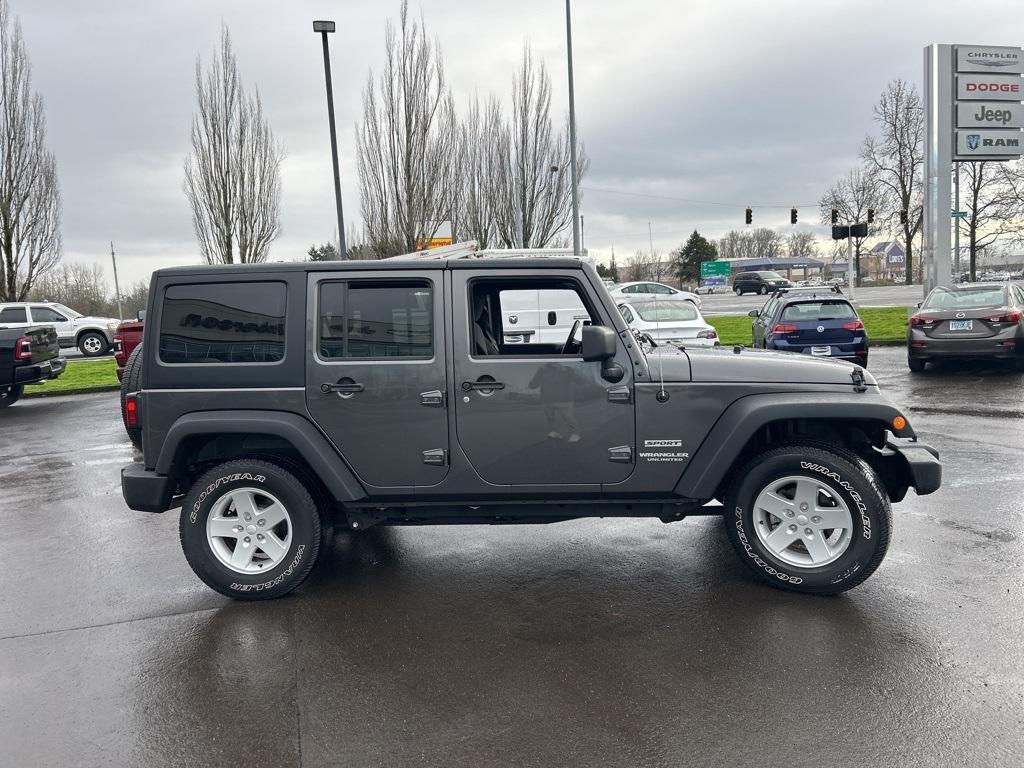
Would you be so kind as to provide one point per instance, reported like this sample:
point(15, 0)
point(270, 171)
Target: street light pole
point(325, 28)
point(572, 137)
point(117, 285)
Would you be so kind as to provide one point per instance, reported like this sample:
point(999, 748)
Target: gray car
point(972, 320)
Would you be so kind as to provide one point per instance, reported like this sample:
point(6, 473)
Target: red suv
point(126, 338)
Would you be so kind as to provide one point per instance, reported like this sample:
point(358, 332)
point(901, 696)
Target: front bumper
point(39, 372)
point(917, 463)
point(144, 490)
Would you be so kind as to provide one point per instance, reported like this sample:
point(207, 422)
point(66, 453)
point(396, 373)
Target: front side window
point(47, 315)
point(13, 315)
point(223, 323)
point(662, 290)
point(376, 319)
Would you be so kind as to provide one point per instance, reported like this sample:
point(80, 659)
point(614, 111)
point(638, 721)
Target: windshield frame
point(65, 310)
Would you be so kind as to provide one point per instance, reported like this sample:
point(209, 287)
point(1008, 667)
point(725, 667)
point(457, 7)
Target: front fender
point(744, 417)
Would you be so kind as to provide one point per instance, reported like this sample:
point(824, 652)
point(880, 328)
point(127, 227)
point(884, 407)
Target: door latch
point(621, 454)
point(619, 395)
point(435, 398)
point(436, 456)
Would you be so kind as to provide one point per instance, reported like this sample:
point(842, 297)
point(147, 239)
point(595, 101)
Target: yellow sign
point(434, 242)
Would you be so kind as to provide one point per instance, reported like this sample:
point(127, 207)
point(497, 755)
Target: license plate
point(961, 325)
point(821, 351)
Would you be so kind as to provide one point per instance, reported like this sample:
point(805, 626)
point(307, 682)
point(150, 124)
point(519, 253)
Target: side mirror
point(918, 305)
point(754, 313)
point(142, 316)
point(598, 343)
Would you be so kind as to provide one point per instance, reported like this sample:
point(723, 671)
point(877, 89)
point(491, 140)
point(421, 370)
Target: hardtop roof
point(374, 265)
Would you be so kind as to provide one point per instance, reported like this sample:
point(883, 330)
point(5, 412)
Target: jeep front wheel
point(809, 519)
point(250, 529)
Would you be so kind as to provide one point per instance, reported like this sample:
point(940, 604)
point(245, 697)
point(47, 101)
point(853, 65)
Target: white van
point(540, 316)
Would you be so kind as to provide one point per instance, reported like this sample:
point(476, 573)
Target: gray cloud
point(738, 102)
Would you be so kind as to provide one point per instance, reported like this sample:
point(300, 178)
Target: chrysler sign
point(977, 58)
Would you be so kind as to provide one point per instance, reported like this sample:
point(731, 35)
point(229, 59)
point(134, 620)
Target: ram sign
point(989, 142)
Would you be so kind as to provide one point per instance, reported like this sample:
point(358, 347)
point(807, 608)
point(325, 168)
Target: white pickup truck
point(93, 336)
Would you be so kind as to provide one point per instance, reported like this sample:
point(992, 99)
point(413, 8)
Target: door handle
point(485, 384)
point(343, 387)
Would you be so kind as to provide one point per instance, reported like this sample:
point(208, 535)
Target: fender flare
point(298, 431)
point(744, 417)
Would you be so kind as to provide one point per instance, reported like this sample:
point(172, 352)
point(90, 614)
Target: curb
point(79, 391)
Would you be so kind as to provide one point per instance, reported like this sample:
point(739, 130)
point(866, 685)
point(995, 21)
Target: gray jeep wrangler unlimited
point(278, 401)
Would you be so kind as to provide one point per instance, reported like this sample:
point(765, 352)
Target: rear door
point(539, 416)
point(375, 373)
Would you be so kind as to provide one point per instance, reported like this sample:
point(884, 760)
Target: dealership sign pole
point(973, 111)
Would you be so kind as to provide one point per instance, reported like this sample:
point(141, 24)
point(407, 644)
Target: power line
point(696, 202)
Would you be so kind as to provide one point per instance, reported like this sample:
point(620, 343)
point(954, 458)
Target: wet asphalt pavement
point(589, 643)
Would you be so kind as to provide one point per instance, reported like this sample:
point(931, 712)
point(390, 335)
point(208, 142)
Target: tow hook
point(857, 374)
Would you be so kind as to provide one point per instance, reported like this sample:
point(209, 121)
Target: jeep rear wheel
point(809, 518)
point(131, 381)
point(250, 529)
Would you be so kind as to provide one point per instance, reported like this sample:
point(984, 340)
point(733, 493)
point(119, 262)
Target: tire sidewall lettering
point(218, 483)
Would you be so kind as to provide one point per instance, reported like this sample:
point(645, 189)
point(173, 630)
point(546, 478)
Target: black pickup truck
point(27, 356)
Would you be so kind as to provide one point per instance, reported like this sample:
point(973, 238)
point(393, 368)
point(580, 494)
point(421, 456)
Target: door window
point(661, 290)
point(47, 315)
point(626, 314)
point(13, 315)
point(376, 319)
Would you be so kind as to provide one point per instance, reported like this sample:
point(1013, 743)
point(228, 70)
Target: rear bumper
point(144, 490)
point(923, 469)
point(37, 372)
point(995, 347)
point(854, 350)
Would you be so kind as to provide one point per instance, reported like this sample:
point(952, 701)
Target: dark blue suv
point(815, 321)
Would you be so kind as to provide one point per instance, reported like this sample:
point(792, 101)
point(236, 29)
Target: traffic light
point(871, 215)
point(750, 215)
point(835, 216)
point(903, 216)
point(792, 215)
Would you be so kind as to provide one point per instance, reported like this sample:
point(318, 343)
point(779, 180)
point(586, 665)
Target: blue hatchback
point(822, 324)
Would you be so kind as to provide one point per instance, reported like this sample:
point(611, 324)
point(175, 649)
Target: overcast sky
point(743, 103)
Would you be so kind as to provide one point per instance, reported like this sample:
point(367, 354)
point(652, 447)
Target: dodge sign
point(992, 87)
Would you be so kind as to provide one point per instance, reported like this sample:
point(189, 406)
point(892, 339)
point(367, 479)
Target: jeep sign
point(991, 87)
point(980, 114)
point(989, 142)
point(976, 58)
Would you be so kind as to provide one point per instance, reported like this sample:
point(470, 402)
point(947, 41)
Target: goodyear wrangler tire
point(131, 381)
point(250, 529)
point(809, 518)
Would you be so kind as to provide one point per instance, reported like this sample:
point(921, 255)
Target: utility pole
point(850, 267)
point(956, 221)
point(650, 238)
point(324, 28)
point(572, 138)
point(117, 285)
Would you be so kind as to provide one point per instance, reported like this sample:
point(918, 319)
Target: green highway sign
point(714, 269)
point(959, 214)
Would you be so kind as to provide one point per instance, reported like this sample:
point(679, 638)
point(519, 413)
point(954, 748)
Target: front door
point(537, 414)
point(375, 375)
point(49, 316)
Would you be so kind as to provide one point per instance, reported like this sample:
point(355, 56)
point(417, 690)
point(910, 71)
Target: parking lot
point(726, 302)
point(595, 642)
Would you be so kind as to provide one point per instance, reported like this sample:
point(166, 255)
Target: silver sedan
point(672, 321)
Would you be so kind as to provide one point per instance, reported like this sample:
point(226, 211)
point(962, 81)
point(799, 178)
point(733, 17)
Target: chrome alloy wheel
point(92, 345)
point(249, 530)
point(802, 521)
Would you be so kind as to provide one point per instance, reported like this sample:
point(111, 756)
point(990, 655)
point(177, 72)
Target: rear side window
point(13, 315)
point(376, 319)
point(818, 311)
point(223, 323)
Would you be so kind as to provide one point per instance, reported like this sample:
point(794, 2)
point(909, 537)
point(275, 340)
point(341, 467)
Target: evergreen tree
point(687, 261)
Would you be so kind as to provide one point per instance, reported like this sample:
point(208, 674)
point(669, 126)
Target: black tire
point(93, 344)
point(305, 525)
point(11, 395)
point(738, 291)
point(916, 364)
point(131, 381)
point(845, 476)
point(763, 290)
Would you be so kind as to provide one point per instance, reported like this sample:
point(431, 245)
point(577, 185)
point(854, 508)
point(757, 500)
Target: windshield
point(665, 311)
point(67, 311)
point(819, 310)
point(975, 297)
point(770, 275)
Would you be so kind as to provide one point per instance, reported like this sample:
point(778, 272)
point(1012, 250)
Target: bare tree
point(484, 139)
point(852, 196)
point(233, 174)
point(534, 195)
point(895, 158)
point(993, 209)
point(30, 203)
point(407, 142)
point(801, 245)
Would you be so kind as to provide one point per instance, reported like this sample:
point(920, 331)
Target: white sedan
point(646, 290)
point(672, 321)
